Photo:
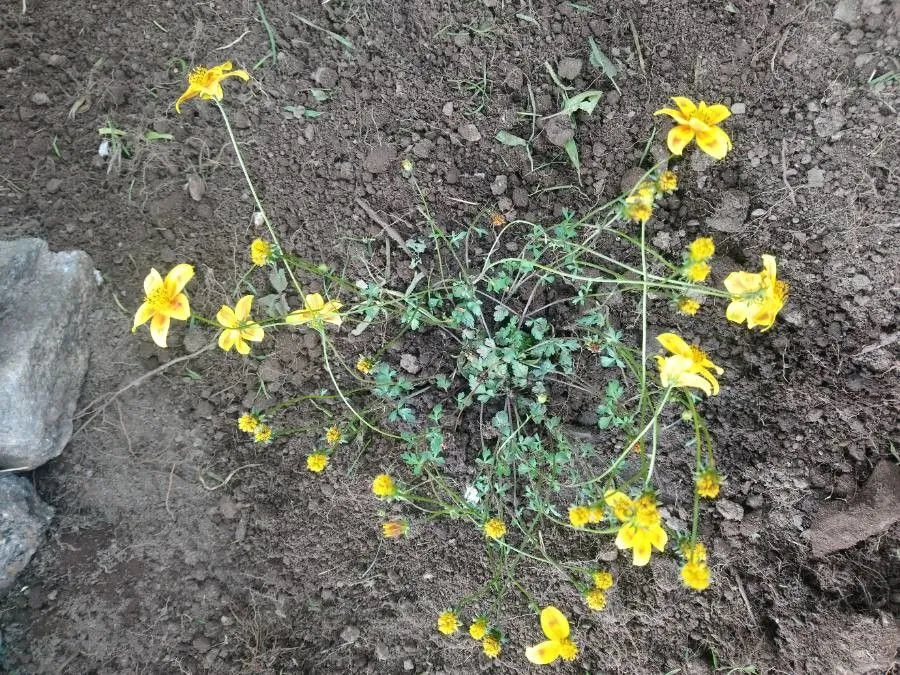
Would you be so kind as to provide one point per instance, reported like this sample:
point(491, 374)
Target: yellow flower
point(478, 629)
point(696, 270)
point(641, 530)
point(700, 122)
point(667, 182)
point(237, 326)
point(447, 622)
point(494, 528)
point(556, 628)
point(701, 248)
point(708, 483)
point(595, 513)
point(260, 250)
point(383, 486)
point(206, 82)
point(497, 219)
point(333, 435)
point(393, 529)
point(579, 516)
point(695, 571)
point(248, 423)
point(603, 580)
point(316, 462)
point(491, 647)
point(263, 434)
point(164, 301)
point(316, 312)
point(364, 365)
point(689, 367)
point(688, 306)
point(756, 297)
point(595, 599)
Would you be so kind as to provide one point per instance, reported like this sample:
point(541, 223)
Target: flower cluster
point(383, 486)
point(579, 516)
point(558, 644)
point(316, 462)
point(641, 529)
point(479, 630)
point(695, 571)
point(708, 483)
point(494, 528)
point(696, 262)
point(260, 252)
point(638, 205)
point(254, 425)
point(596, 596)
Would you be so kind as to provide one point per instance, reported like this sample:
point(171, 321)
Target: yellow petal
point(298, 316)
point(715, 113)
point(658, 537)
point(186, 96)
point(152, 281)
point(143, 315)
point(253, 332)
point(737, 311)
point(179, 308)
point(641, 552)
point(706, 375)
point(625, 537)
point(314, 302)
point(178, 277)
point(685, 105)
point(679, 136)
point(242, 347)
point(554, 623)
point(243, 74)
point(674, 344)
point(743, 283)
point(674, 114)
point(159, 329)
point(227, 338)
point(770, 266)
point(543, 653)
point(714, 142)
point(242, 308)
point(226, 318)
point(696, 382)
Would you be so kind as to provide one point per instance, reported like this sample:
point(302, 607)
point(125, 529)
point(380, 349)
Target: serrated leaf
point(509, 139)
point(278, 279)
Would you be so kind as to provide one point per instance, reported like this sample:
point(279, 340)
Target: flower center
point(781, 290)
point(697, 354)
point(159, 299)
point(200, 76)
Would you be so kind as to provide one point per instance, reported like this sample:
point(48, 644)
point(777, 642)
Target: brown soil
point(280, 570)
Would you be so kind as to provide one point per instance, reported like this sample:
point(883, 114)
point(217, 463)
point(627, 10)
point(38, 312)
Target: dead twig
point(388, 230)
point(227, 478)
point(637, 47)
point(784, 173)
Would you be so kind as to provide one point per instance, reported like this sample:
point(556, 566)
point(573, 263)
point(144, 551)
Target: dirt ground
point(147, 570)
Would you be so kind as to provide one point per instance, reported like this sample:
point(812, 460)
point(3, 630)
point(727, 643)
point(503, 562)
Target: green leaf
point(572, 151)
point(600, 60)
point(278, 280)
point(151, 135)
point(509, 139)
point(585, 101)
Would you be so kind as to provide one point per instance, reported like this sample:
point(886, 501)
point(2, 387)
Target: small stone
point(731, 213)
point(846, 11)
point(423, 149)
point(498, 187)
point(520, 197)
point(559, 130)
point(738, 108)
point(469, 132)
point(325, 77)
point(270, 371)
point(815, 178)
point(754, 501)
point(729, 510)
point(40, 98)
point(195, 339)
point(241, 121)
point(514, 79)
point(408, 665)
point(608, 554)
point(829, 123)
point(53, 185)
point(196, 187)
point(860, 282)
point(569, 68)
point(25, 519)
point(447, 110)
point(410, 363)
point(350, 634)
point(379, 159)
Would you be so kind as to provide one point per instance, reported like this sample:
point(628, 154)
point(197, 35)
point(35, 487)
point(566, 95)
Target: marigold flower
point(708, 483)
point(206, 82)
point(393, 529)
point(688, 306)
point(333, 435)
point(262, 434)
point(238, 327)
point(260, 251)
point(756, 297)
point(556, 628)
point(164, 301)
point(478, 629)
point(688, 367)
point(316, 312)
point(696, 271)
point(667, 182)
point(317, 462)
point(579, 516)
point(700, 122)
point(383, 486)
point(603, 580)
point(701, 248)
point(595, 599)
point(695, 571)
point(365, 365)
point(447, 622)
point(491, 647)
point(495, 528)
point(248, 423)
point(641, 528)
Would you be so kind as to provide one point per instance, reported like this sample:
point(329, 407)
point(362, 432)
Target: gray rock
point(829, 123)
point(469, 132)
point(729, 510)
point(498, 187)
point(325, 77)
point(569, 68)
point(846, 11)
point(731, 212)
point(45, 299)
point(379, 159)
point(815, 178)
point(23, 520)
point(40, 98)
point(560, 130)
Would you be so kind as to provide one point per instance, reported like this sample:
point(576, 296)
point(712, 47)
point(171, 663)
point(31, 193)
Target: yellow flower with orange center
point(317, 462)
point(495, 528)
point(641, 528)
point(164, 301)
point(238, 327)
point(688, 366)
point(207, 82)
point(316, 312)
point(700, 122)
point(558, 644)
point(393, 529)
point(756, 297)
